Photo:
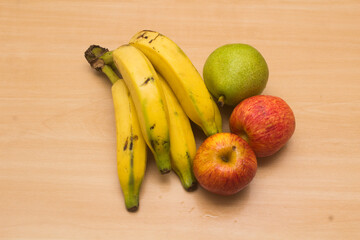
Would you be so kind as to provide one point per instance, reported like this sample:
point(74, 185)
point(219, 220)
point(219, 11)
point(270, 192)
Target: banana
point(131, 147)
point(142, 82)
point(182, 140)
point(172, 63)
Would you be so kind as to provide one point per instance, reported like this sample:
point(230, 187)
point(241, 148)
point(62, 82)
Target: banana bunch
point(159, 92)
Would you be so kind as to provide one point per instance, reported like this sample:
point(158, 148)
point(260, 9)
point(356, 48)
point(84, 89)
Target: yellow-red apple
point(265, 122)
point(224, 164)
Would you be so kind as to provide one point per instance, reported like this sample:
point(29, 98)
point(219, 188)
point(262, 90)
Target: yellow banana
point(182, 141)
point(172, 63)
point(142, 82)
point(131, 147)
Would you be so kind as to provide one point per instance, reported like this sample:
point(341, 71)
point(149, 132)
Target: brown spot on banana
point(126, 143)
point(142, 35)
point(131, 143)
point(153, 143)
point(147, 80)
point(156, 143)
point(154, 38)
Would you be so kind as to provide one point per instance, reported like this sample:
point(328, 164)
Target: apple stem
point(221, 100)
point(224, 158)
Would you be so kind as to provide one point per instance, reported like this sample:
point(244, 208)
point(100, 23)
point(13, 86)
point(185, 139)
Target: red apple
point(265, 122)
point(224, 164)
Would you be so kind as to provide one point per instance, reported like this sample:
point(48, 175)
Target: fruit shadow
point(162, 180)
point(225, 115)
point(216, 205)
point(275, 158)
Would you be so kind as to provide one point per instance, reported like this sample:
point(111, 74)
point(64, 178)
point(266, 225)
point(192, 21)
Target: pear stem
point(221, 100)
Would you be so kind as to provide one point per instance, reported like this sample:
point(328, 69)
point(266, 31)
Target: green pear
point(234, 72)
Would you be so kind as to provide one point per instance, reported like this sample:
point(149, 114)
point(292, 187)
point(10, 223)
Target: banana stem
point(101, 59)
point(98, 56)
point(110, 73)
point(107, 58)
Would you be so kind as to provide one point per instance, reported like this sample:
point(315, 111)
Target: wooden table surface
point(58, 176)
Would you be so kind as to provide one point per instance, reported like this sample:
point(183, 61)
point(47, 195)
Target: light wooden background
point(57, 134)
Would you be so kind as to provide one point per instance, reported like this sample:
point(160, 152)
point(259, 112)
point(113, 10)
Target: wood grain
point(57, 132)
